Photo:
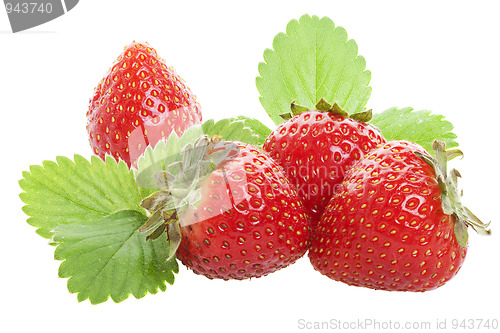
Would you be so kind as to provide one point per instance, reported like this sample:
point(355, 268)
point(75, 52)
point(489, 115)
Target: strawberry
point(316, 148)
point(396, 223)
point(248, 223)
point(140, 101)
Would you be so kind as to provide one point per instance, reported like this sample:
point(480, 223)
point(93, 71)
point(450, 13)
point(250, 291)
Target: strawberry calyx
point(179, 186)
point(451, 195)
point(324, 106)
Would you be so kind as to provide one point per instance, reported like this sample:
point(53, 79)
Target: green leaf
point(79, 191)
point(109, 258)
point(241, 128)
point(164, 154)
point(312, 60)
point(419, 126)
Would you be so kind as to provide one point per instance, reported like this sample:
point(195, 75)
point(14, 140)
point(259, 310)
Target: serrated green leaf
point(241, 128)
point(258, 127)
point(79, 191)
point(163, 154)
point(109, 258)
point(419, 126)
point(312, 60)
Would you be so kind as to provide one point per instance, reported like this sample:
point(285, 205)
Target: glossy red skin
point(140, 101)
point(385, 229)
point(248, 226)
point(316, 148)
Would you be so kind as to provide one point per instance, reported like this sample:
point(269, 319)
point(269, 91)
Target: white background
point(441, 56)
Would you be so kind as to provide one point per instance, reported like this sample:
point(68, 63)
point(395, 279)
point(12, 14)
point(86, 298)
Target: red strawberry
point(316, 148)
point(249, 223)
point(396, 223)
point(140, 101)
